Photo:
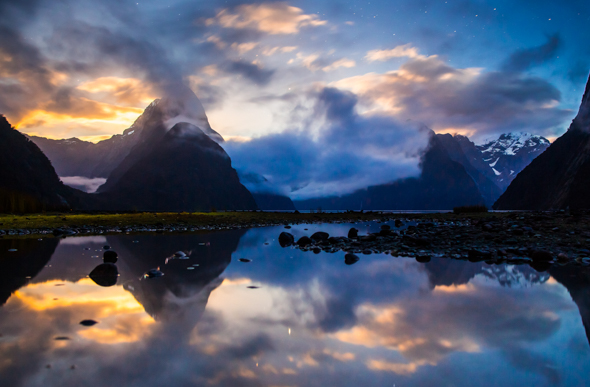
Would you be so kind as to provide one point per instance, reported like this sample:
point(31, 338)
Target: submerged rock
point(286, 239)
point(304, 241)
point(88, 323)
point(320, 236)
point(351, 259)
point(110, 256)
point(153, 273)
point(105, 274)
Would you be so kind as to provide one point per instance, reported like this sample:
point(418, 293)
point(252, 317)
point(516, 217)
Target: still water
point(287, 318)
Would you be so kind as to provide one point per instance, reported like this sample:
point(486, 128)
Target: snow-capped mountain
point(510, 154)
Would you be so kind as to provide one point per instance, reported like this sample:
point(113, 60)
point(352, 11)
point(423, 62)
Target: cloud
point(345, 152)
point(406, 50)
point(272, 18)
point(251, 71)
point(524, 59)
point(446, 98)
point(346, 63)
point(85, 184)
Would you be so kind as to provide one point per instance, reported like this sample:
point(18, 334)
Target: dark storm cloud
point(348, 152)
point(252, 72)
point(524, 59)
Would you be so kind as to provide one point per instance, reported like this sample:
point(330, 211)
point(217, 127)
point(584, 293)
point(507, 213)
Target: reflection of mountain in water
point(29, 259)
point(577, 282)
point(446, 272)
point(180, 296)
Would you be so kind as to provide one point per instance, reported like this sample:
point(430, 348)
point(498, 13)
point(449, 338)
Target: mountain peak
point(582, 120)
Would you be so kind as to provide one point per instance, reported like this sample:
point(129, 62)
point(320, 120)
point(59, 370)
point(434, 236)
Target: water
point(311, 320)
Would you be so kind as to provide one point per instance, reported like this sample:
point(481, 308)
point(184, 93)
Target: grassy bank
point(75, 220)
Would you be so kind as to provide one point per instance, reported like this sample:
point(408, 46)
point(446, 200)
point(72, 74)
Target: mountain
point(74, 157)
point(181, 168)
point(264, 193)
point(28, 182)
point(442, 185)
point(577, 282)
point(510, 154)
point(461, 150)
point(560, 176)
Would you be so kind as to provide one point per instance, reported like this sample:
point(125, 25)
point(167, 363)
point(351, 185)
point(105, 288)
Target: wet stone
point(110, 256)
point(286, 239)
point(351, 259)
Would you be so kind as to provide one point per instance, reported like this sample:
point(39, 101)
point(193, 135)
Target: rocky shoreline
point(540, 239)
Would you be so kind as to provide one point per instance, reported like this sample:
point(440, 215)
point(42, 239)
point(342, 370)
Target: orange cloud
point(405, 50)
point(129, 91)
point(272, 18)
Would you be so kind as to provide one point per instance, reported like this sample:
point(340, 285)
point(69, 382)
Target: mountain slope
point(74, 157)
point(442, 185)
point(458, 147)
point(510, 154)
point(560, 176)
point(182, 169)
point(28, 182)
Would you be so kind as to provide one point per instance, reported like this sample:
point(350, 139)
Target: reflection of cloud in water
point(313, 321)
point(83, 241)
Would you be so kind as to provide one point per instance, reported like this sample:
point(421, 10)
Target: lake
point(281, 316)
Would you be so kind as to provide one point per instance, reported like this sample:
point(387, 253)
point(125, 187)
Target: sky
point(352, 82)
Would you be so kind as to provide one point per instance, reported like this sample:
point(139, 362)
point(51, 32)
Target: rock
point(110, 256)
point(423, 258)
point(350, 259)
point(153, 273)
point(304, 241)
point(367, 252)
point(562, 257)
point(245, 260)
point(369, 238)
point(88, 323)
point(320, 236)
point(385, 227)
point(107, 247)
point(540, 266)
point(398, 223)
point(541, 256)
point(316, 250)
point(478, 255)
point(286, 239)
point(180, 255)
point(353, 233)
point(105, 274)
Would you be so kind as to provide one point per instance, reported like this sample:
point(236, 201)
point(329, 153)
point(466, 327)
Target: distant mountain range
point(455, 172)
point(510, 154)
point(171, 159)
point(560, 177)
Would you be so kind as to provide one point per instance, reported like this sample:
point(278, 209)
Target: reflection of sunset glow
point(121, 318)
point(389, 327)
point(116, 300)
point(465, 288)
point(398, 368)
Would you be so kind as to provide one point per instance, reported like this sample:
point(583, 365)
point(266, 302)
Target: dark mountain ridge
point(28, 182)
point(442, 185)
point(560, 177)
